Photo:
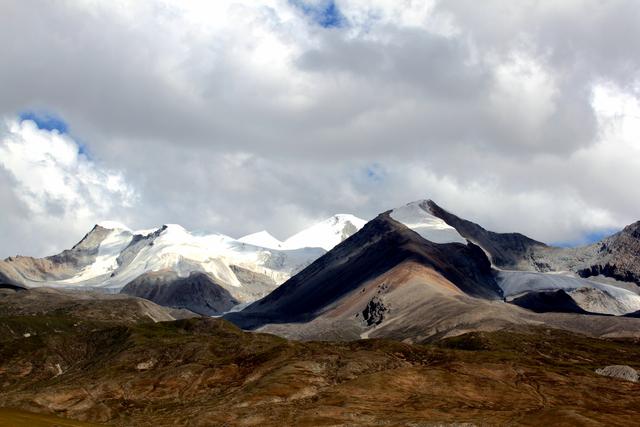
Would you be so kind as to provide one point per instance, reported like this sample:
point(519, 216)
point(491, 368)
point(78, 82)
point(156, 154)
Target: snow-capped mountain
point(325, 234)
point(111, 256)
point(263, 239)
point(418, 270)
point(212, 273)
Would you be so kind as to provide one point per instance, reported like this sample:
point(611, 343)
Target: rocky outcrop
point(609, 270)
point(622, 372)
point(373, 313)
point(138, 241)
point(617, 256)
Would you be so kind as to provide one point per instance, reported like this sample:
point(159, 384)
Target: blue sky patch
point(375, 173)
point(599, 235)
point(51, 122)
point(588, 239)
point(324, 13)
point(83, 150)
point(45, 121)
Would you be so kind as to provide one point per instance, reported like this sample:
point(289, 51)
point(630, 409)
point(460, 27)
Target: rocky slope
point(196, 292)
point(612, 265)
point(418, 272)
point(616, 257)
point(86, 305)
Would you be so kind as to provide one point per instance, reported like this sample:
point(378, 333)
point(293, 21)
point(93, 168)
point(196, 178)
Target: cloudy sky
point(242, 115)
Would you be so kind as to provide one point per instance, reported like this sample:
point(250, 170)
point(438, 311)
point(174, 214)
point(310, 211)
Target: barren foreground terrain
point(204, 371)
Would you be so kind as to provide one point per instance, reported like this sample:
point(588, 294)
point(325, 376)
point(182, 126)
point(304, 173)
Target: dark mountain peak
point(197, 292)
point(507, 250)
point(378, 247)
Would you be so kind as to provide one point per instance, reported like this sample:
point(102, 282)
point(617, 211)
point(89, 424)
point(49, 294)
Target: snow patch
point(590, 296)
point(326, 234)
point(106, 260)
point(418, 217)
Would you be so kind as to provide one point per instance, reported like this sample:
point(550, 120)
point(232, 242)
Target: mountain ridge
point(111, 255)
point(492, 276)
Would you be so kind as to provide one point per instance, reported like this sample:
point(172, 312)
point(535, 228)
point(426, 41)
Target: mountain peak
point(113, 225)
point(326, 234)
point(419, 217)
point(262, 238)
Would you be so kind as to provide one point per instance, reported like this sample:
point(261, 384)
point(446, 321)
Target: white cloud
point(524, 93)
point(57, 186)
point(239, 115)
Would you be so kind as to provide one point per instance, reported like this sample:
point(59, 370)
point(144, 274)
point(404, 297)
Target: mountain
point(418, 271)
point(509, 332)
point(205, 273)
point(387, 267)
point(505, 250)
point(197, 291)
point(436, 261)
point(262, 238)
point(616, 257)
point(525, 265)
point(325, 234)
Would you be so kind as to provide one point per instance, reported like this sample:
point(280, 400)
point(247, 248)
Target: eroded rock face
point(610, 270)
point(373, 313)
point(622, 372)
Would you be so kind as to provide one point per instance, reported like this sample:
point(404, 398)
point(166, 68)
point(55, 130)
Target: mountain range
point(413, 272)
point(208, 274)
point(417, 317)
point(419, 272)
